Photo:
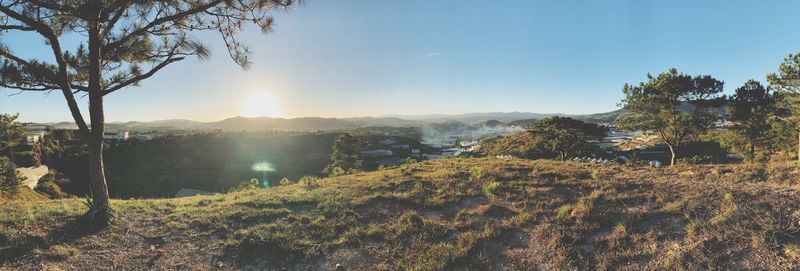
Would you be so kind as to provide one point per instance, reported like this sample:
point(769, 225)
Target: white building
point(118, 135)
point(33, 136)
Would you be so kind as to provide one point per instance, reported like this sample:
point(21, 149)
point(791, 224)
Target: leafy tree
point(564, 135)
point(124, 43)
point(751, 109)
point(346, 156)
point(787, 82)
point(12, 134)
point(656, 105)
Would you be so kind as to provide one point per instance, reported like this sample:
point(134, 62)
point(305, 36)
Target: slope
point(480, 214)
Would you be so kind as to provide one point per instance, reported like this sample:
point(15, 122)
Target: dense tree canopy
point(563, 135)
point(673, 105)
point(346, 155)
point(550, 138)
point(10, 180)
point(12, 134)
point(751, 108)
point(787, 81)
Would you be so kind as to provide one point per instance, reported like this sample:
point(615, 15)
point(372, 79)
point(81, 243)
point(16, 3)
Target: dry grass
point(438, 215)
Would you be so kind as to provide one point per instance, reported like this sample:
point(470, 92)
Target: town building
point(118, 135)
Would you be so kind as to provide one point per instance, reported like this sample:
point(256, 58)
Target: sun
point(261, 104)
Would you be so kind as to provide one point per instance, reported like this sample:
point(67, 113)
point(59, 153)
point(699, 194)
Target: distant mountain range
point(316, 123)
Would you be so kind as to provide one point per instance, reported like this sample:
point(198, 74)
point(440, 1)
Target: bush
point(490, 189)
point(51, 189)
point(703, 152)
point(309, 181)
point(475, 173)
point(27, 159)
point(52, 185)
point(696, 160)
point(286, 181)
point(247, 185)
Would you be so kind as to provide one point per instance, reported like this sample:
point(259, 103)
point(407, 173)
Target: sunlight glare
point(261, 104)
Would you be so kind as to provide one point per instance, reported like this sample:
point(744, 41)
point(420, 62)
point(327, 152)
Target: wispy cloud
point(431, 54)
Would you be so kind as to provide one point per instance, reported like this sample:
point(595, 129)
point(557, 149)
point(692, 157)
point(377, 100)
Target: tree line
point(678, 108)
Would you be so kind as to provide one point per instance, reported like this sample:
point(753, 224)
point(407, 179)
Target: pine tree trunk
point(97, 177)
point(798, 146)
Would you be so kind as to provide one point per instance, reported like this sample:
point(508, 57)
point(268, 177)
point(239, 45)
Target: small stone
point(340, 267)
point(220, 264)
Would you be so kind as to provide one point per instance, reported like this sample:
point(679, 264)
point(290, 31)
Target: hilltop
point(479, 214)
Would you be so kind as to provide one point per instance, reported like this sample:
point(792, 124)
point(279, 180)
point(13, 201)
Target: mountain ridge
point(240, 123)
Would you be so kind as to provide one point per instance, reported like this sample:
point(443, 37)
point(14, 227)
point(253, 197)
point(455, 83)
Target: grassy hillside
point(479, 214)
point(23, 193)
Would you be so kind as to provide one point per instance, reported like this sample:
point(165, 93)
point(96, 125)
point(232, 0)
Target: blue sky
point(360, 57)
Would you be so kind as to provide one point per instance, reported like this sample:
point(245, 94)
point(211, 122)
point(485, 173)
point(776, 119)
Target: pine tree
point(124, 42)
point(657, 106)
point(751, 109)
point(345, 157)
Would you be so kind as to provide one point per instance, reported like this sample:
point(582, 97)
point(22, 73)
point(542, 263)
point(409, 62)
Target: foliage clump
point(672, 105)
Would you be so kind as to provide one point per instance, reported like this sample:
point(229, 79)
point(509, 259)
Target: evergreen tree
point(787, 82)
point(751, 109)
point(12, 134)
point(673, 105)
point(346, 156)
point(565, 135)
point(124, 42)
point(10, 179)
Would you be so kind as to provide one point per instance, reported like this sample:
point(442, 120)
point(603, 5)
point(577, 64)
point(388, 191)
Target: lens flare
point(263, 167)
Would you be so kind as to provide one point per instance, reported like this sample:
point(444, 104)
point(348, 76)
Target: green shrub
point(51, 189)
point(309, 181)
point(564, 210)
point(595, 174)
point(286, 181)
point(336, 171)
point(490, 189)
point(253, 183)
point(475, 173)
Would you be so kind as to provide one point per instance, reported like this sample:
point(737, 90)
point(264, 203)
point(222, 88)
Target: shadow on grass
point(16, 244)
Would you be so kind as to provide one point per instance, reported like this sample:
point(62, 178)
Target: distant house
point(143, 137)
point(34, 135)
point(188, 192)
point(388, 141)
point(376, 153)
point(118, 135)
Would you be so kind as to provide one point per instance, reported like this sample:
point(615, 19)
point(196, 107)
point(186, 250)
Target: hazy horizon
point(362, 58)
point(411, 117)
